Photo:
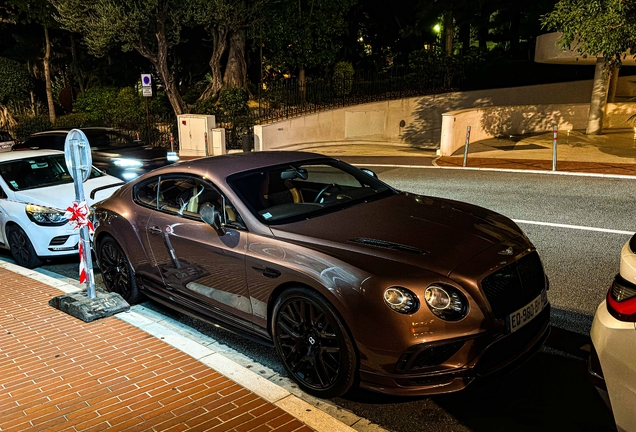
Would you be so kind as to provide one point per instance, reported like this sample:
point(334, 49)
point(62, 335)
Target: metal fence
point(291, 97)
point(276, 100)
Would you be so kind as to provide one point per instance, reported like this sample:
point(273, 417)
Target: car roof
point(24, 154)
point(67, 130)
point(221, 167)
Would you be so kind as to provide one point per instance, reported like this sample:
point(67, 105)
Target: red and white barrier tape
point(77, 215)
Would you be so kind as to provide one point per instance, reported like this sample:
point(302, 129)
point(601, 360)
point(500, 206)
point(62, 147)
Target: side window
point(3, 194)
point(146, 193)
point(185, 196)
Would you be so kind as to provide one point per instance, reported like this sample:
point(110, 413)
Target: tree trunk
point(160, 61)
point(47, 75)
point(76, 66)
point(302, 88)
point(236, 69)
point(515, 24)
point(599, 97)
point(484, 26)
point(464, 36)
point(219, 45)
point(611, 97)
point(449, 31)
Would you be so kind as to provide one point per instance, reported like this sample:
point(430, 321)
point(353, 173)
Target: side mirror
point(210, 215)
point(369, 172)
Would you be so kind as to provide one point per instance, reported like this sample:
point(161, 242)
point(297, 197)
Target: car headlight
point(446, 302)
point(128, 163)
point(401, 300)
point(45, 216)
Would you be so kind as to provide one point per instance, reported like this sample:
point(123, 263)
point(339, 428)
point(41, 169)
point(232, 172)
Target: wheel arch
point(295, 284)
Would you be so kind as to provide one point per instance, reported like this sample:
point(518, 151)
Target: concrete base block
point(78, 304)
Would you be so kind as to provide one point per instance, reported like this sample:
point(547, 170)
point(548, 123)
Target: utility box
point(195, 135)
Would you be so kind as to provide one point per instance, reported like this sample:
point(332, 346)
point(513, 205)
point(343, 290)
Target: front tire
point(313, 343)
point(116, 270)
point(21, 248)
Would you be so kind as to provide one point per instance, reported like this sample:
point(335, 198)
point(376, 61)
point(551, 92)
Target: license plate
point(527, 313)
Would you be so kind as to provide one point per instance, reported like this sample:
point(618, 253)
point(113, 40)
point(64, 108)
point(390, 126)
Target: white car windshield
point(37, 172)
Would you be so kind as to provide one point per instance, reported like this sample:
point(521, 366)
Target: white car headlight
point(128, 163)
point(45, 216)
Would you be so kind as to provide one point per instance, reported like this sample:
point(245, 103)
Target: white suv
point(612, 362)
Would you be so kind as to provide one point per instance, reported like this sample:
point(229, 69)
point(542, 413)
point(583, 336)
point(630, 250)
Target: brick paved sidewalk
point(59, 373)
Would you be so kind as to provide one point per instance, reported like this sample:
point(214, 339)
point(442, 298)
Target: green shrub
point(343, 78)
point(95, 102)
point(73, 120)
point(233, 100)
point(206, 106)
point(15, 81)
point(110, 106)
point(28, 125)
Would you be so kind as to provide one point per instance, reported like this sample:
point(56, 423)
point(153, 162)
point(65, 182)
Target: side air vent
point(388, 245)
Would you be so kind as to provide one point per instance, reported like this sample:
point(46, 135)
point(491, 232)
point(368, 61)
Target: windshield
point(292, 192)
point(37, 172)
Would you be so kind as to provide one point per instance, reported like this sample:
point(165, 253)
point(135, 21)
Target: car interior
point(186, 197)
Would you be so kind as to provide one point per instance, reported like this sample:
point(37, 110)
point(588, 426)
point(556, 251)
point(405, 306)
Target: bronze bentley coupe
point(353, 282)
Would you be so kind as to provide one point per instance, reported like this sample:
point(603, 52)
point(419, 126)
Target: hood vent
point(388, 245)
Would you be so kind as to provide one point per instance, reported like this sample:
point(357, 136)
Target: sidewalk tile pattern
point(58, 373)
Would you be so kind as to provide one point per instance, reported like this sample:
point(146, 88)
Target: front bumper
point(53, 241)
point(497, 354)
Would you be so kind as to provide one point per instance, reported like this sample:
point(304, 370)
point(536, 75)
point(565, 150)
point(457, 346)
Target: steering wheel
point(320, 194)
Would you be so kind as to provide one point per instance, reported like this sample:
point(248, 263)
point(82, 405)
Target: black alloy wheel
point(313, 344)
point(21, 248)
point(116, 270)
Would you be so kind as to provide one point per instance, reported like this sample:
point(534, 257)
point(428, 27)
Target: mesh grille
point(422, 356)
point(58, 241)
point(515, 285)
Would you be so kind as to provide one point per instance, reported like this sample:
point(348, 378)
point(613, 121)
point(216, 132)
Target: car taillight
point(621, 300)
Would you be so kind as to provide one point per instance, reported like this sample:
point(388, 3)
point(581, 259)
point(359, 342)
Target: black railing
point(276, 100)
point(291, 97)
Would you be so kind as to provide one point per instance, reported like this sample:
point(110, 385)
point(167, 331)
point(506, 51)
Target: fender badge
point(506, 251)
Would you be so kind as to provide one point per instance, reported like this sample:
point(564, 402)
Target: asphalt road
point(550, 391)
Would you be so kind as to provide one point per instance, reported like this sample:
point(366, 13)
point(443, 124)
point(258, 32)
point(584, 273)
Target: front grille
point(422, 356)
point(515, 285)
point(58, 241)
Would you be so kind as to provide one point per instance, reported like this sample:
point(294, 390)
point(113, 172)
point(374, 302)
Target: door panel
point(203, 269)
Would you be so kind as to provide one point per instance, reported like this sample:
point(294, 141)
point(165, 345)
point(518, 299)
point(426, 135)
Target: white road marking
point(577, 227)
point(508, 170)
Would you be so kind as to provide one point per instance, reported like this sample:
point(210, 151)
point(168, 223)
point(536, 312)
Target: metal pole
point(205, 137)
point(466, 144)
point(171, 142)
point(147, 123)
point(84, 234)
point(554, 147)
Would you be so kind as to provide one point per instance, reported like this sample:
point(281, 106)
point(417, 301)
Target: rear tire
point(116, 270)
point(313, 343)
point(21, 248)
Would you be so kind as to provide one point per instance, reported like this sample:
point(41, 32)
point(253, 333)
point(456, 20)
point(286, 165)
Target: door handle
point(154, 230)
point(268, 272)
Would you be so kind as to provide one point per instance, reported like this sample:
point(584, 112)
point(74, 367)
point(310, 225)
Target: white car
point(612, 362)
point(35, 190)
